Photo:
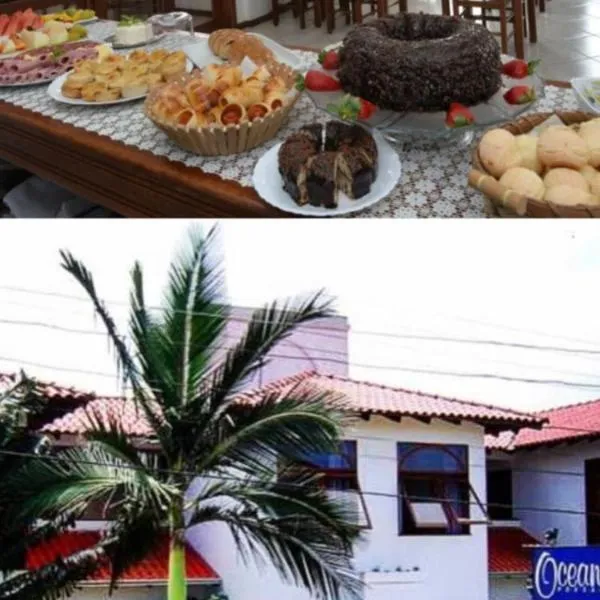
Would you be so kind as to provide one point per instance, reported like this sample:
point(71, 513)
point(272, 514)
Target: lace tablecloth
point(433, 179)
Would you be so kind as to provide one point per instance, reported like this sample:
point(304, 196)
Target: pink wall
point(321, 346)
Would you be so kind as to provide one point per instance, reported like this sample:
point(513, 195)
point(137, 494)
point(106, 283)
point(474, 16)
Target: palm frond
point(266, 328)
point(282, 426)
point(194, 312)
point(125, 361)
point(305, 535)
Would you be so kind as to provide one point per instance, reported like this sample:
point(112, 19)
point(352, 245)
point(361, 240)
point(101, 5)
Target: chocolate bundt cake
point(419, 62)
point(319, 162)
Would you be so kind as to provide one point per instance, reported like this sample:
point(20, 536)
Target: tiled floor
point(568, 36)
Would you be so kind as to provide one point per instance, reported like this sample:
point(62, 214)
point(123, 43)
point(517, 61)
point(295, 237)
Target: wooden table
point(129, 181)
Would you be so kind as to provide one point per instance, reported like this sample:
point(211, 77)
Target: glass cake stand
point(416, 129)
point(171, 22)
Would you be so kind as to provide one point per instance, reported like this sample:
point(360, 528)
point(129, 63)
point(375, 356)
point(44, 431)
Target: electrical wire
point(193, 474)
point(320, 330)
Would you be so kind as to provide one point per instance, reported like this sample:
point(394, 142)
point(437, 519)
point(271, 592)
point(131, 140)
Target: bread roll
point(589, 173)
point(590, 133)
point(498, 152)
point(524, 182)
point(559, 146)
point(527, 145)
point(564, 195)
point(567, 177)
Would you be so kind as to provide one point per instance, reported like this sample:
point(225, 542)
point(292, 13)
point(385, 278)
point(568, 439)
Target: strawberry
point(352, 108)
point(459, 115)
point(519, 69)
point(330, 60)
point(318, 81)
point(520, 94)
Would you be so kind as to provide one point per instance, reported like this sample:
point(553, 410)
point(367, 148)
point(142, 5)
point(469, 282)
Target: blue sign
point(566, 573)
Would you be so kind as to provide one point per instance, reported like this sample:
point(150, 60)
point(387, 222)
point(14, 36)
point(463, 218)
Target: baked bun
point(568, 177)
point(564, 195)
point(559, 146)
point(589, 173)
point(527, 145)
point(590, 133)
point(595, 184)
point(499, 152)
point(523, 181)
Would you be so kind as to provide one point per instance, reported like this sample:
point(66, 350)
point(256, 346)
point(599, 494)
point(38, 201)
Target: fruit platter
point(72, 15)
point(23, 31)
point(414, 95)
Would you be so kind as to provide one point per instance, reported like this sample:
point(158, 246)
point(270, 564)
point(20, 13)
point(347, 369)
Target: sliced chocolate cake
point(318, 163)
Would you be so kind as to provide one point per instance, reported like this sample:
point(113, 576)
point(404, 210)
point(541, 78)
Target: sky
point(513, 282)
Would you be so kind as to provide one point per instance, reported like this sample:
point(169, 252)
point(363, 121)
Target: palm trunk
point(177, 588)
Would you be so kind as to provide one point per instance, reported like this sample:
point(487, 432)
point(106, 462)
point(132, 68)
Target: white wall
point(533, 490)
point(134, 593)
point(194, 4)
point(248, 10)
point(452, 567)
point(509, 588)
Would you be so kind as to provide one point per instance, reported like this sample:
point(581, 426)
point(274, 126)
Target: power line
point(320, 331)
point(79, 331)
point(291, 485)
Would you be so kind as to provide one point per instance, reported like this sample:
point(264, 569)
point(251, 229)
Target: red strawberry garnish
point(352, 108)
point(317, 81)
point(459, 115)
point(520, 94)
point(519, 69)
point(330, 60)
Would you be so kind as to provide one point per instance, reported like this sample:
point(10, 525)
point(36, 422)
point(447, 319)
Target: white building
point(545, 479)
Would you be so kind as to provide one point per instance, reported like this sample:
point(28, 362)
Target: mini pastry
point(143, 56)
point(275, 100)
point(590, 133)
point(275, 84)
point(595, 184)
point(523, 181)
point(90, 91)
point(71, 92)
point(561, 147)
point(527, 145)
point(105, 68)
point(233, 114)
point(498, 151)
point(568, 177)
point(172, 68)
point(132, 88)
point(257, 111)
point(79, 78)
point(568, 196)
point(153, 79)
point(107, 94)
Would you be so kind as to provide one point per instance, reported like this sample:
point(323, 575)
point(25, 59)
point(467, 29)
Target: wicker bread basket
point(502, 202)
point(230, 139)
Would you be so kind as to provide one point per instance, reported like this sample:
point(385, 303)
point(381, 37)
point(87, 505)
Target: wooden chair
point(299, 10)
point(509, 12)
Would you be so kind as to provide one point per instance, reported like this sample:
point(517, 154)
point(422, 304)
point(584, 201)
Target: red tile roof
point(50, 390)
point(506, 552)
point(566, 423)
point(362, 397)
point(153, 568)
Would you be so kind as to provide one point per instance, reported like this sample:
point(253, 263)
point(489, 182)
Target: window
point(338, 475)
point(434, 490)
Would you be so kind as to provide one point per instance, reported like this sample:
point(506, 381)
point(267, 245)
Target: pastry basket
point(502, 202)
point(219, 140)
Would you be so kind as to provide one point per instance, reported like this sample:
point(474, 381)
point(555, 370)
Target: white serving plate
point(55, 92)
point(26, 83)
point(269, 184)
point(86, 21)
point(111, 40)
point(201, 55)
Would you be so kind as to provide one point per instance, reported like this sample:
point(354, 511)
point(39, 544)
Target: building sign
point(566, 573)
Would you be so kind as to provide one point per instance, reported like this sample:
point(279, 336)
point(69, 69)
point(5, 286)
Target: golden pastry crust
point(107, 94)
point(590, 133)
point(524, 182)
point(568, 177)
point(527, 145)
point(77, 79)
point(498, 152)
point(564, 195)
point(234, 45)
point(134, 88)
point(71, 92)
point(90, 91)
point(589, 173)
point(220, 41)
point(560, 146)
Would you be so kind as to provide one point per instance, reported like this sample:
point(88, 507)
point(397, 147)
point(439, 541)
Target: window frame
point(439, 479)
point(340, 474)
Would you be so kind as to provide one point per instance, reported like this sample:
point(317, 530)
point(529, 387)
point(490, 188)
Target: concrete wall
point(565, 491)
point(508, 588)
point(247, 10)
point(451, 567)
point(135, 593)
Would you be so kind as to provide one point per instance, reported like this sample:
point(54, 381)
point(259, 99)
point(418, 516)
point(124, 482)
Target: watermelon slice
point(38, 22)
point(4, 20)
point(14, 25)
point(27, 19)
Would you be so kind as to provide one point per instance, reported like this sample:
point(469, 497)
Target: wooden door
point(592, 500)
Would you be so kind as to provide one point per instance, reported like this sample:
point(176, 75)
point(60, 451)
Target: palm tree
point(186, 395)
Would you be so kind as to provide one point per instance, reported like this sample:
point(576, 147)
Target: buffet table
point(115, 157)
